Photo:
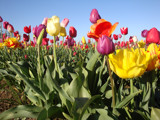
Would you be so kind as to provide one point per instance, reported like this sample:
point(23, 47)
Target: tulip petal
point(113, 28)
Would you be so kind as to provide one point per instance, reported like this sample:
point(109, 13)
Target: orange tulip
point(102, 27)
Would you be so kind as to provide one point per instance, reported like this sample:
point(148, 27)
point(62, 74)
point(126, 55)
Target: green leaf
point(21, 111)
point(127, 99)
point(67, 116)
point(39, 40)
point(42, 115)
point(104, 115)
point(91, 63)
point(155, 114)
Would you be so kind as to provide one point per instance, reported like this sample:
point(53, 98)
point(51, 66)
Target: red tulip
point(45, 41)
point(72, 32)
point(1, 20)
point(153, 36)
point(130, 39)
point(10, 28)
point(74, 53)
point(51, 41)
point(15, 33)
point(25, 37)
point(124, 30)
point(89, 41)
point(115, 37)
point(27, 29)
point(5, 23)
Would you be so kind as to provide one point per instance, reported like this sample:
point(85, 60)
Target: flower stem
point(131, 91)
point(112, 82)
point(54, 53)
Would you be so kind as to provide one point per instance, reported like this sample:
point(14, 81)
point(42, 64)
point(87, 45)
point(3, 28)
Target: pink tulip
point(119, 35)
point(10, 28)
point(65, 22)
point(45, 21)
point(94, 16)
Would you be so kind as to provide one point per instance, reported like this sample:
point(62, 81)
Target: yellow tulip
point(1, 44)
point(83, 40)
point(53, 26)
point(11, 43)
point(129, 63)
point(154, 52)
point(63, 32)
point(141, 44)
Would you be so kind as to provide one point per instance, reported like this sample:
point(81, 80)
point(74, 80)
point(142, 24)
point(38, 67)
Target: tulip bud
point(10, 28)
point(5, 23)
point(153, 36)
point(135, 39)
point(63, 32)
point(27, 29)
point(65, 22)
point(119, 35)
point(15, 33)
point(1, 20)
point(115, 37)
point(105, 45)
point(39, 40)
point(83, 40)
point(144, 33)
point(45, 21)
point(72, 31)
point(25, 37)
point(94, 16)
point(124, 30)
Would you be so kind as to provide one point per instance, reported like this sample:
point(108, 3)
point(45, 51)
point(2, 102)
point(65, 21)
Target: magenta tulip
point(37, 30)
point(105, 45)
point(25, 37)
point(153, 36)
point(94, 16)
point(144, 33)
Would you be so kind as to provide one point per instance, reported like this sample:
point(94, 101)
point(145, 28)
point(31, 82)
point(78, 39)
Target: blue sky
point(134, 14)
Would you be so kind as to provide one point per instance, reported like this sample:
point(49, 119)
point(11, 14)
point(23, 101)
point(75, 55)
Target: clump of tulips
point(85, 80)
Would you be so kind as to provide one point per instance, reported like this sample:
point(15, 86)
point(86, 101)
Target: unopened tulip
point(64, 22)
point(94, 16)
point(25, 37)
point(45, 41)
point(119, 35)
point(45, 21)
point(72, 32)
point(63, 32)
point(15, 33)
point(144, 33)
point(1, 20)
point(53, 26)
point(134, 38)
point(83, 40)
point(37, 30)
point(153, 36)
point(115, 37)
point(51, 41)
point(5, 23)
point(124, 30)
point(105, 45)
point(10, 28)
point(27, 29)
point(130, 39)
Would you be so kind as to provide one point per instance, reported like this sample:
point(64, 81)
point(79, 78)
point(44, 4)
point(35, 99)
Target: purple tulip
point(70, 41)
point(94, 16)
point(105, 45)
point(144, 33)
point(37, 30)
point(1, 20)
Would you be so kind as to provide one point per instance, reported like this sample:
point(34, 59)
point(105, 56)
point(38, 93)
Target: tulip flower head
point(63, 32)
point(94, 16)
point(1, 20)
point(10, 28)
point(83, 40)
point(25, 37)
point(15, 33)
point(153, 36)
point(37, 30)
point(27, 29)
point(105, 45)
point(72, 32)
point(134, 38)
point(102, 27)
point(119, 35)
point(5, 23)
point(53, 26)
point(124, 30)
point(144, 33)
point(45, 41)
point(64, 22)
point(115, 37)
point(44, 22)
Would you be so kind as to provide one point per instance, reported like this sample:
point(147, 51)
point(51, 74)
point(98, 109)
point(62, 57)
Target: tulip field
point(102, 77)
